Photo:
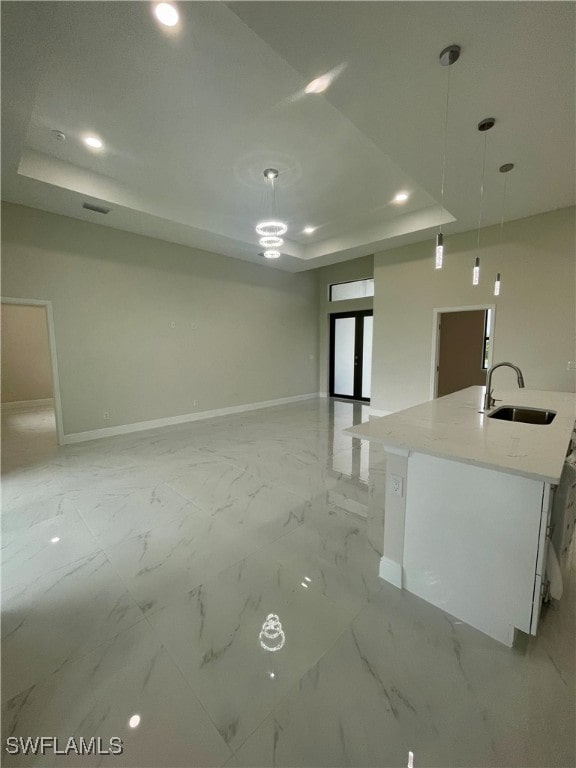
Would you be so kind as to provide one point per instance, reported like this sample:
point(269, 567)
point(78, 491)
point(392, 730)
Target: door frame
point(358, 342)
point(436, 312)
point(53, 356)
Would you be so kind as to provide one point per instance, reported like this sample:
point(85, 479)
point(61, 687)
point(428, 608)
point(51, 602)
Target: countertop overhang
point(454, 427)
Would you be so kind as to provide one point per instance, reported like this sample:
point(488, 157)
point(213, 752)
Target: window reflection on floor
point(349, 456)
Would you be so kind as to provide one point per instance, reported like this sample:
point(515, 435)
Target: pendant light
point(504, 169)
point(448, 56)
point(272, 229)
point(483, 126)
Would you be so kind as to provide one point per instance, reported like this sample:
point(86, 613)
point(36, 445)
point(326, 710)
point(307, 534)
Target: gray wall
point(535, 313)
point(357, 269)
point(243, 333)
point(26, 371)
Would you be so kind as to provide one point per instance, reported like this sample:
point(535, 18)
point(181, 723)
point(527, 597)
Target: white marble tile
point(31, 485)
point(114, 515)
point(98, 694)
point(17, 518)
point(166, 562)
point(29, 553)
point(214, 636)
point(406, 677)
point(234, 495)
point(63, 614)
point(335, 556)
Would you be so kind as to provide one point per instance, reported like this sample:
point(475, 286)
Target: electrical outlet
point(106, 415)
point(397, 485)
point(196, 403)
point(193, 326)
point(172, 323)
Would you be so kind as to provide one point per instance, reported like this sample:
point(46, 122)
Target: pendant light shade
point(497, 285)
point(439, 250)
point(476, 271)
point(271, 229)
point(483, 126)
point(504, 169)
point(447, 57)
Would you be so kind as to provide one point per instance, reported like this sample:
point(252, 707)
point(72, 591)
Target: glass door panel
point(344, 340)
point(351, 354)
point(367, 356)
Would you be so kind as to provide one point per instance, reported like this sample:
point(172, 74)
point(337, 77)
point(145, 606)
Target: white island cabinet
point(468, 502)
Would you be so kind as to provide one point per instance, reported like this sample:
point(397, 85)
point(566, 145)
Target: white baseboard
point(141, 426)
point(391, 572)
point(378, 412)
point(22, 405)
point(322, 394)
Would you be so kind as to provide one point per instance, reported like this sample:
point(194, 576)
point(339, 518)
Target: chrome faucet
point(488, 399)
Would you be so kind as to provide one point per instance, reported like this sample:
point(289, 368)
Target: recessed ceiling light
point(134, 721)
point(401, 197)
point(166, 14)
point(93, 142)
point(309, 230)
point(320, 84)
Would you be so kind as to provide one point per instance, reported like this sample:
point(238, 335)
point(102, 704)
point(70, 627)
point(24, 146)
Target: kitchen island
point(468, 502)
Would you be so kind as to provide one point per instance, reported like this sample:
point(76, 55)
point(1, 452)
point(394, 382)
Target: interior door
point(462, 350)
point(351, 355)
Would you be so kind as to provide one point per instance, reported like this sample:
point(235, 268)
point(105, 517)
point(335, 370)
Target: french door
point(351, 354)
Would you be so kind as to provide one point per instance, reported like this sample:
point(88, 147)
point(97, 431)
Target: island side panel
point(471, 542)
point(394, 515)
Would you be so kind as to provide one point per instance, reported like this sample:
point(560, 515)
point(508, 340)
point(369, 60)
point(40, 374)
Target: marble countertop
point(453, 427)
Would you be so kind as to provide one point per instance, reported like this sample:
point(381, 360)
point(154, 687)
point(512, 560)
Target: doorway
point(351, 355)
point(30, 381)
point(462, 348)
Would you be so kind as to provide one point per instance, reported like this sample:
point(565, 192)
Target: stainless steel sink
point(525, 415)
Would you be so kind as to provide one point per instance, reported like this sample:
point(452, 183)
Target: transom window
point(355, 289)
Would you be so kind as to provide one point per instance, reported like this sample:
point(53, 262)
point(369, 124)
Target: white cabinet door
point(471, 543)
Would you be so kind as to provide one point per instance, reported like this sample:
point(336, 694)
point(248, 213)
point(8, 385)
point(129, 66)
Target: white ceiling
point(191, 118)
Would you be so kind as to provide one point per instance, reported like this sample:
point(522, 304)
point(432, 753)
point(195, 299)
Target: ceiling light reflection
point(320, 84)
point(272, 637)
point(55, 540)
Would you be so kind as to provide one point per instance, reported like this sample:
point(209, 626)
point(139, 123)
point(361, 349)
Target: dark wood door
point(461, 350)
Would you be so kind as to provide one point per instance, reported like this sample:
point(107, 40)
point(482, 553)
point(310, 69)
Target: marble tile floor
point(219, 581)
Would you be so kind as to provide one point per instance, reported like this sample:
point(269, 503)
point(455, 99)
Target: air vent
point(95, 208)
